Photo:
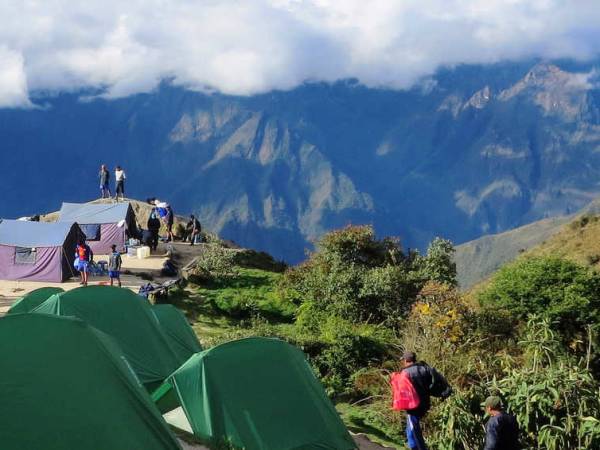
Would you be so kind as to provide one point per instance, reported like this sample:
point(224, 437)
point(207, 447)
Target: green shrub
point(215, 262)
point(554, 397)
point(258, 260)
point(593, 259)
point(345, 352)
point(567, 293)
point(458, 423)
point(356, 276)
point(583, 221)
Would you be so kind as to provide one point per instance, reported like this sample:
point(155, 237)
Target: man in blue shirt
point(502, 430)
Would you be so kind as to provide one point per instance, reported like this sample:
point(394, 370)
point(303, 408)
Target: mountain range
point(469, 151)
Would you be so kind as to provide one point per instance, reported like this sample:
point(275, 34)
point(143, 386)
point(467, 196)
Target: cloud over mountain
point(246, 47)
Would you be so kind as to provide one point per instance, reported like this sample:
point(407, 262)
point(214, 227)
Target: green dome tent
point(32, 300)
point(126, 317)
point(66, 385)
point(257, 394)
point(182, 338)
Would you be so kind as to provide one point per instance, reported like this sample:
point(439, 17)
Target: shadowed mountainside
point(471, 151)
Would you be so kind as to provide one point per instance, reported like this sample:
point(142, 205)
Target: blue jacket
point(502, 433)
point(427, 382)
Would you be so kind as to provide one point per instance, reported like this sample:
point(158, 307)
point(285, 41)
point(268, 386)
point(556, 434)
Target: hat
point(409, 356)
point(493, 402)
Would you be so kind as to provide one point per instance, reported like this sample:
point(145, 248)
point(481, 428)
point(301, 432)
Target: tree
point(438, 265)
point(354, 275)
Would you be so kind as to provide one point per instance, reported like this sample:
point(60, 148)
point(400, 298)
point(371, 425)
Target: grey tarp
point(116, 221)
point(19, 233)
point(37, 251)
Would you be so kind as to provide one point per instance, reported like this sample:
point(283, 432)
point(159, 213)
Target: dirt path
point(135, 273)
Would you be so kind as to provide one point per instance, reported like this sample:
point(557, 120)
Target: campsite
point(137, 358)
point(213, 356)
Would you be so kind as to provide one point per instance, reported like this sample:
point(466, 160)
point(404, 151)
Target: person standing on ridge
point(104, 176)
point(120, 178)
point(114, 266)
point(502, 430)
point(83, 256)
point(427, 382)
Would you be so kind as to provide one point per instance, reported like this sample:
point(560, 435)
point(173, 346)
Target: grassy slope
point(578, 241)
point(478, 259)
point(214, 309)
point(251, 291)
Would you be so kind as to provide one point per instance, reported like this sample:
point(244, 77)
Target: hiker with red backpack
point(412, 390)
point(83, 256)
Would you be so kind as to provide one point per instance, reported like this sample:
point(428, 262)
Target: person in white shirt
point(120, 180)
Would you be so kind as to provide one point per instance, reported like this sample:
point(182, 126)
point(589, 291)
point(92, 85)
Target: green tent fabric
point(32, 300)
point(182, 338)
point(255, 393)
point(66, 385)
point(126, 317)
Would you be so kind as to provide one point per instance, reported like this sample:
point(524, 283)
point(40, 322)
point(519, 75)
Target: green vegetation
point(565, 292)
point(357, 302)
point(251, 292)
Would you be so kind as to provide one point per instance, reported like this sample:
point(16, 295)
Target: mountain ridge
point(472, 151)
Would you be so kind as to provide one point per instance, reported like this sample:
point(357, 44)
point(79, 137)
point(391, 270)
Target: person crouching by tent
point(120, 183)
point(412, 390)
point(114, 266)
point(193, 228)
point(83, 256)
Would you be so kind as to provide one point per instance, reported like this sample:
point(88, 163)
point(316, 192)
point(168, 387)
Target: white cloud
point(13, 83)
point(245, 47)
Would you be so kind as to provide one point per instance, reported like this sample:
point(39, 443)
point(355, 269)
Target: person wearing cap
point(502, 430)
point(427, 382)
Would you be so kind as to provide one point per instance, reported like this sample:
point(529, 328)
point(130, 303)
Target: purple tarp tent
point(37, 251)
point(103, 224)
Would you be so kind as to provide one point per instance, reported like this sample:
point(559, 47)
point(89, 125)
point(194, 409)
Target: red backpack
point(82, 252)
point(405, 396)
